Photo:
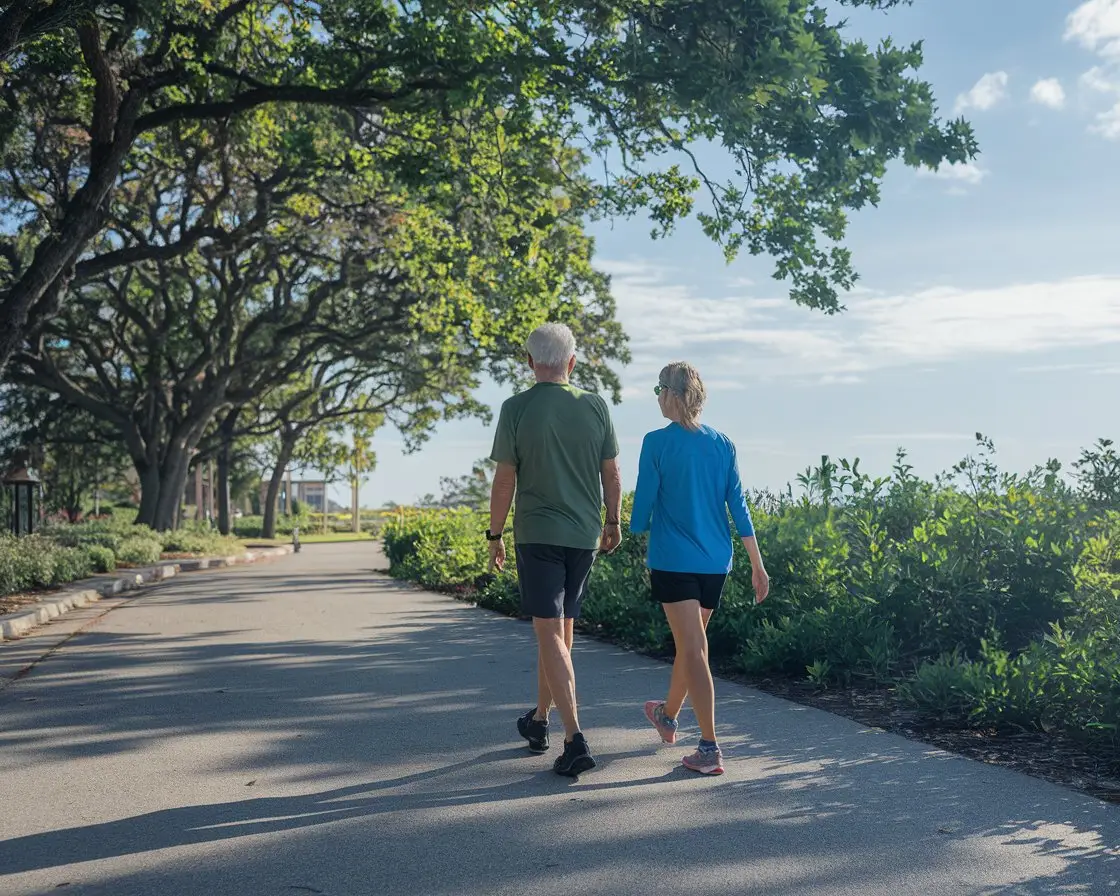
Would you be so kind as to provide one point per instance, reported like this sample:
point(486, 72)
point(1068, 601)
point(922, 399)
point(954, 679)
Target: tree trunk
point(287, 447)
point(149, 492)
point(174, 473)
point(225, 451)
point(162, 487)
point(355, 506)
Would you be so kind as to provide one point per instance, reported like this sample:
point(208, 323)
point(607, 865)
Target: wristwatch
point(490, 536)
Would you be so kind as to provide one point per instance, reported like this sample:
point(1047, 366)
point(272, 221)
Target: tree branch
point(282, 93)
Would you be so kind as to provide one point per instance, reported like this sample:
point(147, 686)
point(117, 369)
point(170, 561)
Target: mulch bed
point(1052, 757)
point(12, 602)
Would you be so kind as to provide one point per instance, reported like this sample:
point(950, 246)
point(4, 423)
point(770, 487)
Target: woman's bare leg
point(678, 683)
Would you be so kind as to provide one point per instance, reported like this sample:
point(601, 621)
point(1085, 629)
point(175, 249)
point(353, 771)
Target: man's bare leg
point(555, 657)
point(544, 694)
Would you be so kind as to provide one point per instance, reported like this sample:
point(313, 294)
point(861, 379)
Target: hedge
point(981, 598)
point(64, 553)
point(35, 562)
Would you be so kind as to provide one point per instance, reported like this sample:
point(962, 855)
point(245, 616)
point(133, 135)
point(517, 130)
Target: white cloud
point(1092, 367)
point(990, 90)
point(1101, 80)
point(908, 437)
point(1095, 24)
point(733, 343)
point(942, 324)
point(959, 173)
point(843, 379)
point(1108, 124)
point(1050, 93)
point(959, 177)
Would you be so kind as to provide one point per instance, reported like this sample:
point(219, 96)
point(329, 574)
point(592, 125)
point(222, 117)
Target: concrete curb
point(82, 594)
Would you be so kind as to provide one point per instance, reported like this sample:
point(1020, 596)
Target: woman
point(688, 479)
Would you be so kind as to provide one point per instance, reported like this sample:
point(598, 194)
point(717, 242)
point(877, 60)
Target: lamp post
point(24, 488)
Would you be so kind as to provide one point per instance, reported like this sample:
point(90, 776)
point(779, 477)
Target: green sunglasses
point(658, 389)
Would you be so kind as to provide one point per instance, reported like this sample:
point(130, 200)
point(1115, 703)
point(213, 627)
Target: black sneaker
point(576, 758)
point(536, 732)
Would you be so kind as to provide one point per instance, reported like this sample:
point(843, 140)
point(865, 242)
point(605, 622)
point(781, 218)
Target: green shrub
point(200, 540)
point(139, 550)
point(70, 565)
point(253, 526)
point(948, 687)
point(443, 549)
point(36, 562)
point(101, 558)
point(25, 563)
point(1001, 592)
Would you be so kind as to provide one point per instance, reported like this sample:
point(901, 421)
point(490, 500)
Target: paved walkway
point(308, 726)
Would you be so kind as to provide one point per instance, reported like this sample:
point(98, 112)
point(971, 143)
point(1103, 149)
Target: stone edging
point(82, 594)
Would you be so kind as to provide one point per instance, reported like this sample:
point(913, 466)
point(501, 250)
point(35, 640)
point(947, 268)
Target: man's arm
point(501, 495)
point(611, 477)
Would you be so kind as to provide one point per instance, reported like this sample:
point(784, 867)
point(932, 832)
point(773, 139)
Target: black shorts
point(673, 587)
point(553, 579)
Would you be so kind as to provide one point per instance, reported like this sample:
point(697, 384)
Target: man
point(556, 448)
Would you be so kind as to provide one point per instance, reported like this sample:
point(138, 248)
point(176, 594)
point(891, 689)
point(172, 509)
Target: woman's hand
point(759, 577)
point(761, 581)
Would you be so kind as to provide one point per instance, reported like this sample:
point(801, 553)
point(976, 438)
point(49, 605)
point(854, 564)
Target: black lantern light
point(23, 486)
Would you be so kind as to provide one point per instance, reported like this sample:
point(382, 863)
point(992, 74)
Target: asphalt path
point(310, 726)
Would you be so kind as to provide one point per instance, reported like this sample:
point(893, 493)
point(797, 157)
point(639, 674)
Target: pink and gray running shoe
point(666, 727)
point(706, 762)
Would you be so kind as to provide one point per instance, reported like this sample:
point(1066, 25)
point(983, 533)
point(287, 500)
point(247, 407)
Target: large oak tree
point(236, 262)
point(809, 117)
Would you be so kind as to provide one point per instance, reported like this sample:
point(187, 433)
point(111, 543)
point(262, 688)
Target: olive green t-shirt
point(557, 436)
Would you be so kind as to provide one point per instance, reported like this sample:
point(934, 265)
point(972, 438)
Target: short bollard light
point(295, 538)
point(24, 489)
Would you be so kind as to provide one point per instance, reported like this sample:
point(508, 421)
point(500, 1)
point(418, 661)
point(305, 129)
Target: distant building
point(311, 494)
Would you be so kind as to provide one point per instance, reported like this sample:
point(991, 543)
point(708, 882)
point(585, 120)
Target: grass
point(316, 538)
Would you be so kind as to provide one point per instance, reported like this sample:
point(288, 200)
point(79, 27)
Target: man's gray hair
point(551, 346)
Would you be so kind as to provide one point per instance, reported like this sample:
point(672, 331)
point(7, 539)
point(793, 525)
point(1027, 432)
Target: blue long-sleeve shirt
point(687, 482)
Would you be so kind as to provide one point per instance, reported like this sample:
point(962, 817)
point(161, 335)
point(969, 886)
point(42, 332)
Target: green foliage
point(36, 562)
point(985, 597)
point(946, 688)
point(235, 192)
point(67, 553)
point(809, 118)
point(102, 558)
point(107, 533)
point(1098, 474)
point(139, 550)
point(470, 490)
point(437, 550)
point(74, 454)
point(199, 539)
point(253, 526)
point(70, 565)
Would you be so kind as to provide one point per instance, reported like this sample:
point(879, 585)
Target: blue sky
point(989, 297)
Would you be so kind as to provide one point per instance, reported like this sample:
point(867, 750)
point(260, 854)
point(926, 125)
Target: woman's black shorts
point(673, 587)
